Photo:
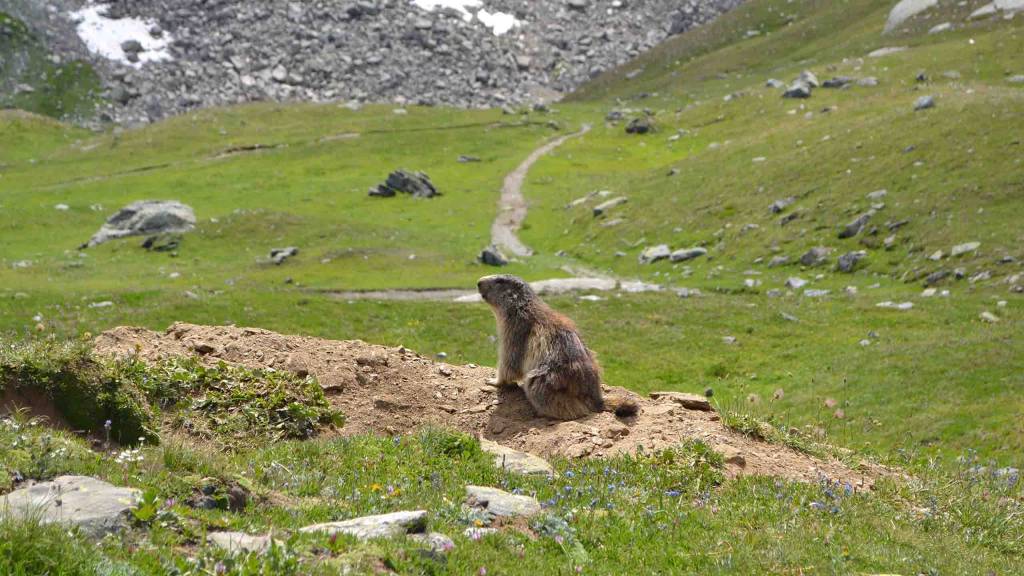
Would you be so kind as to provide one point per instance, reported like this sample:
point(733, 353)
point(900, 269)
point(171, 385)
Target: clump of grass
point(85, 391)
point(29, 547)
point(124, 400)
point(231, 405)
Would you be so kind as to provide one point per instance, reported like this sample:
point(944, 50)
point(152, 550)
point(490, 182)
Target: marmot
point(542, 350)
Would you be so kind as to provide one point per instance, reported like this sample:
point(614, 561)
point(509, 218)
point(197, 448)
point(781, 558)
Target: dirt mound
point(395, 390)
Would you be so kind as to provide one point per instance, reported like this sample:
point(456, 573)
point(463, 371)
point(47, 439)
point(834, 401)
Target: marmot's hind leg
point(558, 394)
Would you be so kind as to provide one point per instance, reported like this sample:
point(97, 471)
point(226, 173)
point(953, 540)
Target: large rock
point(655, 253)
point(492, 256)
point(686, 254)
point(905, 10)
point(146, 218)
point(855, 227)
point(93, 506)
point(501, 503)
point(515, 461)
point(380, 526)
point(416, 184)
point(641, 125)
point(848, 262)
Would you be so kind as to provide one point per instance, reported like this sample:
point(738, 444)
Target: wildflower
point(672, 493)
point(570, 474)
point(817, 505)
point(482, 571)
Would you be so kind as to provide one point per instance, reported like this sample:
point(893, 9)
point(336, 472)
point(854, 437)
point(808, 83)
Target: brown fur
point(542, 350)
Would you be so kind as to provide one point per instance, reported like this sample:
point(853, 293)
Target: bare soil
point(512, 208)
point(395, 390)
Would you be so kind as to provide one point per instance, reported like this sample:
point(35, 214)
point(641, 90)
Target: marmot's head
point(505, 291)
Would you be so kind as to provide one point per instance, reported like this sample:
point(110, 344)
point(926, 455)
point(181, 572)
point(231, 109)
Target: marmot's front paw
point(499, 384)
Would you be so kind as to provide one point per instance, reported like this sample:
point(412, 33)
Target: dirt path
point(512, 206)
point(396, 391)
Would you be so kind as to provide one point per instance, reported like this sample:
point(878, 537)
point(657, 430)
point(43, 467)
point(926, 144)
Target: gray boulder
point(641, 125)
point(855, 227)
point(379, 526)
point(145, 218)
point(815, 256)
point(95, 507)
point(501, 503)
point(416, 184)
point(798, 90)
point(688, 254)
point(279, 255)
point(924, 103)
point(780, 205)
point(848, 262)
point(492, 256)
point(655, 253)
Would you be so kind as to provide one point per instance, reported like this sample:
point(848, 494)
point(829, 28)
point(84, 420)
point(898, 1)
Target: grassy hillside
point(30, 80)
point(935, 389)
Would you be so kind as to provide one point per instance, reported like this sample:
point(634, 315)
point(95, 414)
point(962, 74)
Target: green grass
point(649, 513)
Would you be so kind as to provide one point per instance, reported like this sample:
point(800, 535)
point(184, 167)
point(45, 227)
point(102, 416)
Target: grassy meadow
point(934, 390)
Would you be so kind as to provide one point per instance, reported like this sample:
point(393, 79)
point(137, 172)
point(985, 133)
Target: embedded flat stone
point(240, 542)
point(688, 401)
point(379, 526)
point(96, 507)
point(501, 503)
point(516, 461)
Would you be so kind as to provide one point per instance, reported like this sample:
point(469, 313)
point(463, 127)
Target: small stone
point(924, 103)
point(989, 317)
point(795, 283)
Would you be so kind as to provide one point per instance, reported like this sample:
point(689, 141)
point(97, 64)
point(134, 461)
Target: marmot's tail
point(621, 405)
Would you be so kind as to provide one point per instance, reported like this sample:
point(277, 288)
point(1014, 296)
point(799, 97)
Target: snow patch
point(103, 36)
point(499, 22)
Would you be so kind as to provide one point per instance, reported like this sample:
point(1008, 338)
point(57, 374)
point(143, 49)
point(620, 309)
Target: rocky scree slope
point(223, 52)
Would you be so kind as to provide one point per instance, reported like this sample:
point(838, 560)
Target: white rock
point(961, 249)
point(795, 283)
point(989, 317)
point(379, 526)
point(905, 10)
